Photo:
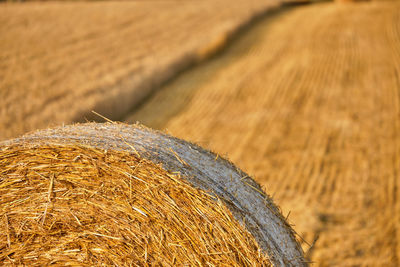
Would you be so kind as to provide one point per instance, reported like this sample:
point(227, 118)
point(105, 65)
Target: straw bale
point(120, 194)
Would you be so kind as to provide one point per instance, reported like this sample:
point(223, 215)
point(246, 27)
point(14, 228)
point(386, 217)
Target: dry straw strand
point(102, 213)
point(118, 194)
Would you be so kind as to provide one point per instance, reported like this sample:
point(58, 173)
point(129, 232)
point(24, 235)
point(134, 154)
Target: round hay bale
point(116, 194)
point(350, 1)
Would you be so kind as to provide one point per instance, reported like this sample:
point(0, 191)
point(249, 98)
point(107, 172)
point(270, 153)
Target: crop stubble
point(59, 60)
point(308, 101)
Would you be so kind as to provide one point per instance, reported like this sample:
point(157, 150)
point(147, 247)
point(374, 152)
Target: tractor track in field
point(308, 101)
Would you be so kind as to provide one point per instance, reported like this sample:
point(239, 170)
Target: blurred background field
point(59, 60)
point(308, 102)
point(306, 98)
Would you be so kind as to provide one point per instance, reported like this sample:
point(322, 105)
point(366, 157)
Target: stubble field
point(60, 60)
point(307, 101)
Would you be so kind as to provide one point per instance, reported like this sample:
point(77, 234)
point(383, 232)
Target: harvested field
point(59, 60)
point(308, 102)
point(125, 195)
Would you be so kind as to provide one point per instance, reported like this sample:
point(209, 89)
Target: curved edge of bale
point(203, 169)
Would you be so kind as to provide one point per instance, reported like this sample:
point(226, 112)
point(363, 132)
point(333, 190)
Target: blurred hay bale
point(351, 1)
point(113, 194)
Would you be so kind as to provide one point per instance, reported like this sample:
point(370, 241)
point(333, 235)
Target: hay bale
point(119, 194)
point(351, 1)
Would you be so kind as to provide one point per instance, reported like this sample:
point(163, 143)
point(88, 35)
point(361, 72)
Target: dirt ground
point(308, 102)
point(60, 60)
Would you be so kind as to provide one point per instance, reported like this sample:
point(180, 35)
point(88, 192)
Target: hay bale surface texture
point(115, 194)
